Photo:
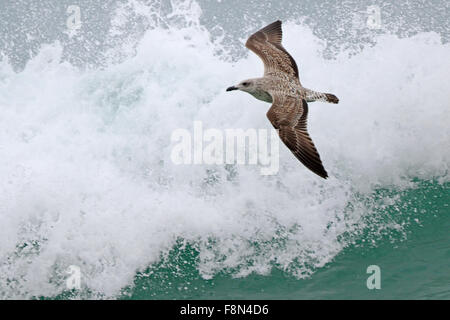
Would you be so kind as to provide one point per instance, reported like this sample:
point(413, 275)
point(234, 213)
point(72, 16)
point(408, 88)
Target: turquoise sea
point(415, 268)
point(94, 206)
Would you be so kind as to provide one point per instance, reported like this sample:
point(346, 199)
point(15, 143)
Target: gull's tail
point(312, 96)
point(331, 98)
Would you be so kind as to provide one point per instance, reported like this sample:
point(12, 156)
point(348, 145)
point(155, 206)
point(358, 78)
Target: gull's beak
point(231, 88)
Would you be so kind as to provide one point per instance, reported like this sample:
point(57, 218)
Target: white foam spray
point(86, 177)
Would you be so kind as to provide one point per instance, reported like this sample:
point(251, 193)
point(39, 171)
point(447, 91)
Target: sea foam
point(86, 177)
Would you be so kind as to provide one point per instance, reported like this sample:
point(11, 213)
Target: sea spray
point(86, 178)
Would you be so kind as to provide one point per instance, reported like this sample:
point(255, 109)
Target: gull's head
point(249, 86)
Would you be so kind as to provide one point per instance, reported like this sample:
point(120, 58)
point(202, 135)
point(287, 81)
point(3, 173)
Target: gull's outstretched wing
point(289, 116)
point(266, 43)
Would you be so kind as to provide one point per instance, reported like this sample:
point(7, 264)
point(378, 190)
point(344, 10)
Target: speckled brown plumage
point(281, 86)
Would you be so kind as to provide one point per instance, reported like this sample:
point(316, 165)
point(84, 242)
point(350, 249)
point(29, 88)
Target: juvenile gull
point(281, 86)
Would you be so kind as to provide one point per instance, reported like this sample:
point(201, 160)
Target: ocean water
point(86, 177)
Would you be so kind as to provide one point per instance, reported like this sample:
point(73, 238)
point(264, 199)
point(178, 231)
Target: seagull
point(281, 86)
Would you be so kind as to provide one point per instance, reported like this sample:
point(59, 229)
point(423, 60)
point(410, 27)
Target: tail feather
point(311, 96)
point(331, 98)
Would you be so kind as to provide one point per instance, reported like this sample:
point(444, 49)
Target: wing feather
point(289, 116)
point(266, 43)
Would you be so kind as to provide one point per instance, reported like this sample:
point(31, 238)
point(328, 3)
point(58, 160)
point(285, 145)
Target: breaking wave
point(86, 177)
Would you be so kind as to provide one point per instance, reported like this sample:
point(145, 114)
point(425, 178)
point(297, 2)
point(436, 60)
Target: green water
point(414, 266)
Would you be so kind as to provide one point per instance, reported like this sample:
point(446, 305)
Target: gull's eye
point(245, 84)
